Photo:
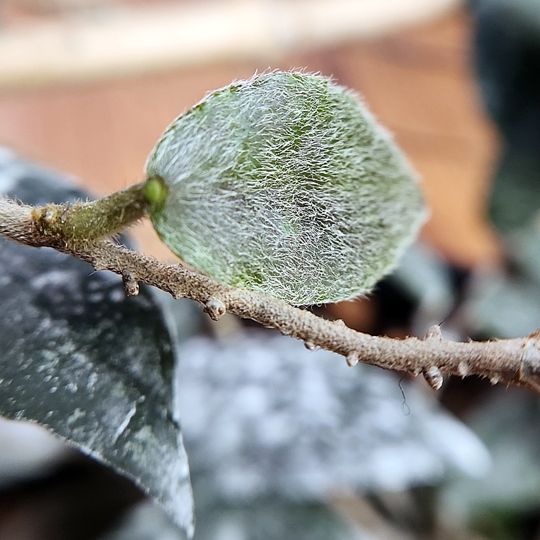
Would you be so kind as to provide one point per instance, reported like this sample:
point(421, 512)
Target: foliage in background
point(84, 360)
point(505, 301)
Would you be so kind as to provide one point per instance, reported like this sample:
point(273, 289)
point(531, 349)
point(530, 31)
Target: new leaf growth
point(285, 184)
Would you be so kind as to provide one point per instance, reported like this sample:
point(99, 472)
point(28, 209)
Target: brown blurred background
point(87, 86)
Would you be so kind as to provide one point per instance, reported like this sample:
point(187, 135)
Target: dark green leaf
point(80, 358)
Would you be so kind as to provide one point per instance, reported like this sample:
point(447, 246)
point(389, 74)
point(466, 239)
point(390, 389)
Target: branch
point(511, 361)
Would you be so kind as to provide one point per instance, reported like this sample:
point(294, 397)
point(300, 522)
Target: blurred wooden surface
point(123, 38)
point(418, 82)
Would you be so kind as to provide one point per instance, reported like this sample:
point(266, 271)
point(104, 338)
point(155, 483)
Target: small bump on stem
point(131, 285)
point(215, 308)
point(434, 333)
point(155, 191)
point(353, 358)
point(433, 377)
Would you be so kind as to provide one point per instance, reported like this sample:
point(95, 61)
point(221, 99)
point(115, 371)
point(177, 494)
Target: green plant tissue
point(285, 184)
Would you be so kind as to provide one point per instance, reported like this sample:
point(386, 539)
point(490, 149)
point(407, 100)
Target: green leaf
point(286, 185)
point(80, 358)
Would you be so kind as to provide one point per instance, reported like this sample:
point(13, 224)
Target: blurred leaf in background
point(506, 503)
point(505, 301)
point(273, 429)
point(507, 55)
point(85, 361)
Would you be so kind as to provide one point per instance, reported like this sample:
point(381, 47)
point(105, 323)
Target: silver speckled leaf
point(90, 364)
point(264, 417)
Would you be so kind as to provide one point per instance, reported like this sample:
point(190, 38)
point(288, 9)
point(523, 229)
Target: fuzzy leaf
point(85, 361)
point(284, 184)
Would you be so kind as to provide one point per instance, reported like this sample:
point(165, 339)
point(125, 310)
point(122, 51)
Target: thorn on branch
point(131, 285)
point(433, 377)
point(463, 369)
point(353, 358)
point(215, 308)
point(530, 357)
point(434, 333)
